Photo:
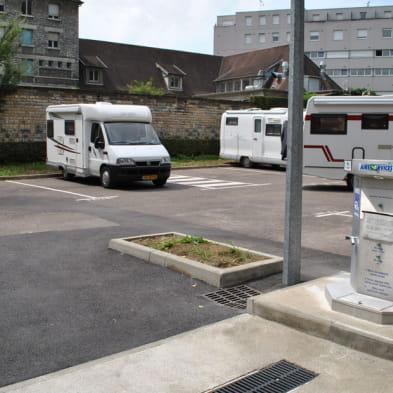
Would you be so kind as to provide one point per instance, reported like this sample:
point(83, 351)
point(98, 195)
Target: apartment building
point(50, 40)
point(354, 44)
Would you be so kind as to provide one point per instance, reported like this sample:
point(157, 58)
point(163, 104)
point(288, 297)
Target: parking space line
point(345, 213)
point(84, 196)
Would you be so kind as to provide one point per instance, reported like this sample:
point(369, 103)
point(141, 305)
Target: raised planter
point(218, 277)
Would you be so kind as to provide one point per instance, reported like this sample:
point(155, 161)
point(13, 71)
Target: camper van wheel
point(159, 182)
point(66, 175)
point(349, 181)
point(107, 177)
point(245, 162)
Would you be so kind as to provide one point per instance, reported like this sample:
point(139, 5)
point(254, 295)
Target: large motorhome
point(341, 128)
point(112, 142)
point(254, 136)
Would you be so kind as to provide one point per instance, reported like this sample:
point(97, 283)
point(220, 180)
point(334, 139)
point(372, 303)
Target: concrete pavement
point(204, 358)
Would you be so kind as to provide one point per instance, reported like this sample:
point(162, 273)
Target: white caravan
point(254, 136)
point(112, 142)
point(341, 128)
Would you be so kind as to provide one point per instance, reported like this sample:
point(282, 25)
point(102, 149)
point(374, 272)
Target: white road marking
point(210, 184)
point(84, 196)
point(344, 213)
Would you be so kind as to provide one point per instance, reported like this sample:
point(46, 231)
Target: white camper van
point(254, 136)
point(340, 128)
point(113, 142)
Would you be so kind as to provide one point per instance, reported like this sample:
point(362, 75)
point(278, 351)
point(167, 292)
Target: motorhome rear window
point(375, 121)
point(49, 129)
point(232, 121)
point(334, 124)
point(273, 130)
point(69, 127)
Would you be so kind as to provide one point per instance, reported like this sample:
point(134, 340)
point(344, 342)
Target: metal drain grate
point(280, 377)
point(235, 297)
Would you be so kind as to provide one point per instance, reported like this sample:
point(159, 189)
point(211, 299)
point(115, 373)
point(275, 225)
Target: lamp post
point(293, 200)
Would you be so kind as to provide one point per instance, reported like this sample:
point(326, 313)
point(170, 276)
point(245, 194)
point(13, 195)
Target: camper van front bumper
point(144, 172)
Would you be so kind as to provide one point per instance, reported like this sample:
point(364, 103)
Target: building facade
point(49, 48)
point(354, 44)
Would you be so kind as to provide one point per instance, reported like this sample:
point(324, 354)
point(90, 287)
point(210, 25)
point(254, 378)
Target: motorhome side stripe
point(63, 147)
point(326, 151)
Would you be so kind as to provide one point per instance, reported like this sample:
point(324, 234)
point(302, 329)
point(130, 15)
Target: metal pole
point(293, 200)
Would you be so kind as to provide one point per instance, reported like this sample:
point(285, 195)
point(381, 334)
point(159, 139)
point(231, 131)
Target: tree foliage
point(10, 70)
point(146, 88)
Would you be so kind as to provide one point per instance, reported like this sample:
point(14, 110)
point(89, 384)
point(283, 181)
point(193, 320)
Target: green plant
point(185, 240)
point(202, 253)
point(10, 42)
point(146, 88)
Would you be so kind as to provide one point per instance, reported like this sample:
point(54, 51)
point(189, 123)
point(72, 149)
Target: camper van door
point(97, 153)
point(257, 137)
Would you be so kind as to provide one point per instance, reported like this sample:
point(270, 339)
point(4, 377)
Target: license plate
point(149, 177)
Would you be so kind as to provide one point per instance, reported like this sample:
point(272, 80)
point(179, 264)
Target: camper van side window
point(375, 121)
point(257, 125)
point(49, 129)
point(334, 124)
point(232, 121)
point(69, 127)
point(273, 130)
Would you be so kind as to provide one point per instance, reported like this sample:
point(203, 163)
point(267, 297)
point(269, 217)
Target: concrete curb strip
point(218, 277)
point(305, 307)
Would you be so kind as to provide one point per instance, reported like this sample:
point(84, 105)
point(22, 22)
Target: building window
point(27, 66)
point(275, 37)
point(60, 64)
point(339, 16)
point(175, 82)
point(53, 40)
point(362, 34)
point(27, 37)
point(314, 35)
point(276, 19)
point(248, 20)
point(387, 14)
point(338, 35)
point(386, 33)
point(384, 52)
point(316, 18)
point(26, 7)
point(315, 54)
point(361, 72)
point(53, 11)
point(247, 39)
point(237, 86)
point(289, 19)
point(383, 72)
point(262, 38)
point(2, 5)
point(94, 76)
point(288, 37)
point(262, 20)
point(363, 15)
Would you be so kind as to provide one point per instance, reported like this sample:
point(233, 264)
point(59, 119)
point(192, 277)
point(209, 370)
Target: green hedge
point(265, 102)
point(23, 152)
point(191, 147)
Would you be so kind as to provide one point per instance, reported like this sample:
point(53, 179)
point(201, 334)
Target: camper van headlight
point(125, 161)
point(165, 160)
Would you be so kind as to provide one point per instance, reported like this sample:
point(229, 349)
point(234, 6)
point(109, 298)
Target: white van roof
point(258, 111)
point(351, 100)
point(105, 111)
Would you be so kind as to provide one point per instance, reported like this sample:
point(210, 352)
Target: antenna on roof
point(368, 4)
point(261, 3)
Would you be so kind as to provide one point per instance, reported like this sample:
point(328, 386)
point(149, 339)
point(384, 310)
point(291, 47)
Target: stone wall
point(22, 116)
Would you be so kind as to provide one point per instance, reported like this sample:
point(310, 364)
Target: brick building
point(49, 41)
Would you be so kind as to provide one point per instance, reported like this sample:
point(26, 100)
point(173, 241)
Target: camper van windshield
point(131, 134)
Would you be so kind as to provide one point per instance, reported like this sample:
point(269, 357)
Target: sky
point(184, 25)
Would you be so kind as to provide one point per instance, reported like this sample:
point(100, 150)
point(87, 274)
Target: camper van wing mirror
point(99, 143)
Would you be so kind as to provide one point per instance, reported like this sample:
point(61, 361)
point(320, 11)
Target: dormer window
point(2, 5)
point(173, 76)
point(93, 70)
point(53, 11)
